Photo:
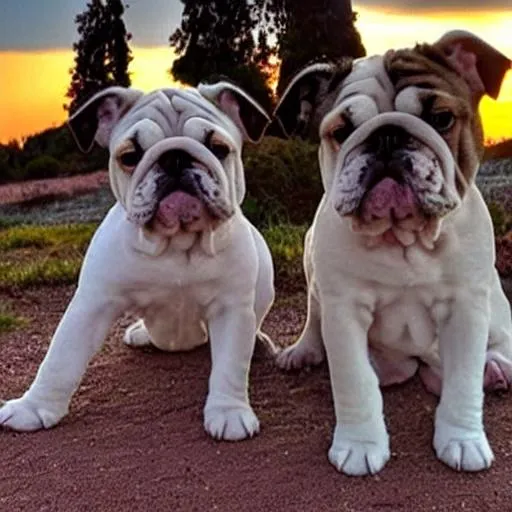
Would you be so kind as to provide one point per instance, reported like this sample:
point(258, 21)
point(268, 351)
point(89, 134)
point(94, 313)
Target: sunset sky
point(36, 38)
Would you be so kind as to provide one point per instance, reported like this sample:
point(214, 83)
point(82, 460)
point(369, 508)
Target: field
point(134, 440)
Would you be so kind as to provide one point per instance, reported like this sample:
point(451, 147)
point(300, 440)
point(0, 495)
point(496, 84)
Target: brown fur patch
point(426, 67)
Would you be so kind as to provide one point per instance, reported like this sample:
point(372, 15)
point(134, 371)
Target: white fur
point(373, 306)
point(216, 284)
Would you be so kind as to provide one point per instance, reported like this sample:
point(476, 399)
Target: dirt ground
point(134, 440)
point(13, 193)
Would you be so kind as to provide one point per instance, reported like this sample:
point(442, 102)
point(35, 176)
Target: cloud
point(435, 5)
point(42, 24)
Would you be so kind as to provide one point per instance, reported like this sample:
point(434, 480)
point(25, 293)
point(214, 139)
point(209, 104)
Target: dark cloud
point(435, 5)
point(39, 24)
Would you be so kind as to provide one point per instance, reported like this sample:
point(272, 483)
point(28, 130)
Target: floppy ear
point(95, 120)
point(250, 118)
point(310, 93)
point(482, 66)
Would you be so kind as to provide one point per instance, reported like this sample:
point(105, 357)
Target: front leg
point(360, 444)
point(459, 439)
point(227, 413)
point(79, 335)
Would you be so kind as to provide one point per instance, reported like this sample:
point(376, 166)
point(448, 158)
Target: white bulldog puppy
point(400, 257)
point(175, 247)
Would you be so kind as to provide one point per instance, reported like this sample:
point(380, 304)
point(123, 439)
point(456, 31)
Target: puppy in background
point(400, 257)
point(175, 247)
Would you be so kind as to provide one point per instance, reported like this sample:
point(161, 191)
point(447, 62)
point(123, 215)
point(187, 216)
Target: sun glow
point(383, 29)
point(33, 84)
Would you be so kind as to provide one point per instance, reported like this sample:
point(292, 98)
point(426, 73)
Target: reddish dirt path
point(71, 186)
point(134, 441)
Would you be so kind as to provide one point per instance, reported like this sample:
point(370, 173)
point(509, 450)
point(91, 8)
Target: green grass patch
point(42, 255)
point(286, 242)
point(51, 271)
point(9, 322)
point(71, 237)
point(52, 255)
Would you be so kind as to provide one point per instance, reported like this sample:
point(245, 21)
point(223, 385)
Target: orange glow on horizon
point(33, 84)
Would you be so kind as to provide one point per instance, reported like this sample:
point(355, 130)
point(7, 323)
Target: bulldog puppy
point(400, 257)
point(175, 247)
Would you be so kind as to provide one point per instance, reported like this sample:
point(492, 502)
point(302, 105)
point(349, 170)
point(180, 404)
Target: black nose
point(387, 139)
point(175, 161)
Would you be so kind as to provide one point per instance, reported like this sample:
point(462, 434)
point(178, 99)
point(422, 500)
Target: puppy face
point(402, 138)
point(175, 155)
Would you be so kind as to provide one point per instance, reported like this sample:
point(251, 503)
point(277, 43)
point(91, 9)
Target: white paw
point(137, 335)
point(23, 415)
point(298, 356)
point(357, 451)
point(231, 423)
point(462, 449)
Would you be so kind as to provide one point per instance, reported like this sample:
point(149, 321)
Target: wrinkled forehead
point(369, 77)
point(402, 73)
point(169, 112)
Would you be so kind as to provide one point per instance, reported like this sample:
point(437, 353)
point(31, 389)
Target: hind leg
point(309, 349)
point(392, 368)
point(498, 366)
point(498, 361)
point(137, 335)
point(175, 326)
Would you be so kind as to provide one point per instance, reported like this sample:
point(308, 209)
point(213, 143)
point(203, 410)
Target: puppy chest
point(174, 319)
point(174, 300)
point(409, 323)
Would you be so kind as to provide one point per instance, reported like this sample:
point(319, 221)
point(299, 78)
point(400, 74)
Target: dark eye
point(218, 148)
point(441, 121)
point(341, 134)
point(221, 151)
point(130, 158)
point(131, 155)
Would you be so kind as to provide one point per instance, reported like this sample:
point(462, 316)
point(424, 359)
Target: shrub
point(283, 182)
point(501, 219)
point(41, 167)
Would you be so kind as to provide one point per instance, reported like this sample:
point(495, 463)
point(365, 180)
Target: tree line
point(258, 44)
point(254, 43)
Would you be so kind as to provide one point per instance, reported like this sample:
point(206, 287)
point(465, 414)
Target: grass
point(286, 242)
point(50, 271)
point(42, 255)
point(51, 255)
point(9, 322)
point(73, 236)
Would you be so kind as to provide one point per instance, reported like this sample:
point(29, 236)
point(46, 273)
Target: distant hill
point(500, 150)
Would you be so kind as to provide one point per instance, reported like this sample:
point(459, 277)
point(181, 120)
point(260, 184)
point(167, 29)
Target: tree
point(308, 31)
point(102, 51)
point(216, 40)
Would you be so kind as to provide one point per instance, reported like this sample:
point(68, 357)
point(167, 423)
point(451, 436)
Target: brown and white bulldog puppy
point(175, 248)
point(400, 257)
